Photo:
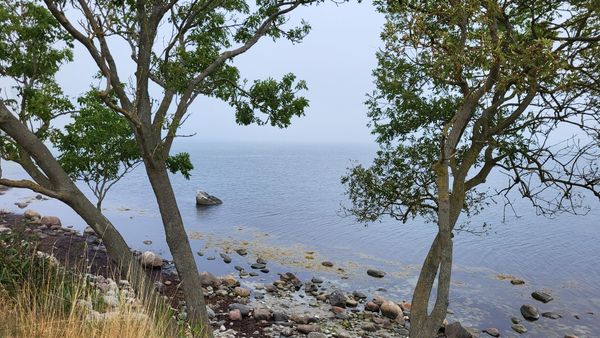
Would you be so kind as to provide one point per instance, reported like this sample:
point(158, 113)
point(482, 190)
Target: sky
point(336, 60)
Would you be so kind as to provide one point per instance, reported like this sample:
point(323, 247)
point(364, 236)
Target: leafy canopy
point(483, 85)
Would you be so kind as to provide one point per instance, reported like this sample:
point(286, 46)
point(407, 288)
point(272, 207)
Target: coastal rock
point(492, 331)
point(258, 266)
point(317, 280)
point(551, 315)
point(229, 280)
point(359, 295)
point(517, 281)
point(280, 317)
point(316, 335)
point(372, 307)
point(308, 328)
point(208, 279)
point(261, 314)
point(529, 312)
point(456, 330)
point(337, 298)
point(542, 296)
point(235, 315)
point(150, 259)
point(89, 231)
point(376, 273)
point(241, 292)
point(32, 215)
point(242, 251)
point(327, 264)
point(226, 258)
point(390, 309)
point(22, 205)
point(300, 319)
point(205, 199)
point(519, 328)
point(244, 309)
point(50, 220)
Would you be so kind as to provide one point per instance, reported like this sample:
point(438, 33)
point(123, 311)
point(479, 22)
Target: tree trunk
point(66, 191)
point(177, 240)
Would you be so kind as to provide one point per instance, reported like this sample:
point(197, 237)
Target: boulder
point(235, 315)
point(551, 315)
point(316, 335)
point(376, 273)
point(150, 259)
point(372, 307)
point(529, 312)
point(337, 298)
point(244, 309)
point(456, 330)
point(50, 220)
point(542, 296)
point(519, 328)
point(241, 292)
point(492, 331)
point(208, 279)
point(32, 215)
point(261, 314)
point(308, 328)
point(390, 309)
point(204, 199)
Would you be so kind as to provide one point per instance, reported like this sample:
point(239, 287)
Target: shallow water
point(284, 200)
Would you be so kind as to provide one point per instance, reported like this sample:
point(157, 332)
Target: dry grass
point(54, 312)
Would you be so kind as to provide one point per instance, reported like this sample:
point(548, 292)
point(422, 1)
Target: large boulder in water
point(204, 198)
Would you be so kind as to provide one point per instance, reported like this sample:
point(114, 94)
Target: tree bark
point(179, 245)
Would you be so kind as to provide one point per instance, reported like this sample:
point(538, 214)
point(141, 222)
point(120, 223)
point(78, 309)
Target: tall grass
point(40, 299)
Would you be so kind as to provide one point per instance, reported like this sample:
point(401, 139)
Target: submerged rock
point(542, 296)
point(204, 199)
point(376, 273)
point(519, 328)
point(492, 331)
point(529, 312)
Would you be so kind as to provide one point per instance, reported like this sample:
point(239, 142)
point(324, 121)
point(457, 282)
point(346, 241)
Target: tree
point(33, 46)
point(182, 49)
point(97, 147)
point(468, 87)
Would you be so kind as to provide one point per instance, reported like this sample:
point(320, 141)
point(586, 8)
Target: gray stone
point(150, 259)
point(519, 328)
point(308, 328)
point(258, 266)
point(244, 309)
point(316, 335)
point(375, 273)
point(337, 298)
point(529, 312)
point(206, 199)
point(492, 331)
point(542, 296)
point(226, 258)
point(551, 315)
point(327, 264)
point(456, 330)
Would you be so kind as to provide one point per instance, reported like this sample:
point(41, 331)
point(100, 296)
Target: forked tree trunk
point(179, 245)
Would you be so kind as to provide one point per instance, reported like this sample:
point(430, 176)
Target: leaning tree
point(468, 87)
point(181, 50)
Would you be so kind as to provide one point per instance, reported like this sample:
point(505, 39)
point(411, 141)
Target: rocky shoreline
point(286, 307)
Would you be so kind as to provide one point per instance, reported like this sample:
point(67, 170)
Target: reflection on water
point(291, 193)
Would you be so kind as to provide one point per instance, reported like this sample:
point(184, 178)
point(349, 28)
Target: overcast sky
point(336, 60)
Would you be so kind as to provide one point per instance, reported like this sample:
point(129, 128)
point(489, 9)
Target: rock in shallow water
point(551, 315)
point(375, 273)
point(529, 312)
point(492, 331)
point(519, 328)
point(542, 296)
point(206, 199)
point(456, 330)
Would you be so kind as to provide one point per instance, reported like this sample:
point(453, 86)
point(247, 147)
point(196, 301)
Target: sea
point(285, 203)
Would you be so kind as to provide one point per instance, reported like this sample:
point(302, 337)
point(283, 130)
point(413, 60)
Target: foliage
point(98, 146)
point(32, 48)
point(180, 163)
point(483, 85)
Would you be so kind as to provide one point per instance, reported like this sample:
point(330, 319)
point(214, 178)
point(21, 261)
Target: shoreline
point(63, 240)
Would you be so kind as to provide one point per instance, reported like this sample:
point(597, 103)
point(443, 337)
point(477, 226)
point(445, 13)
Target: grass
point(41, 299)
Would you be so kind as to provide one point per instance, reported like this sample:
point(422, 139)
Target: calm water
point(284, 200)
